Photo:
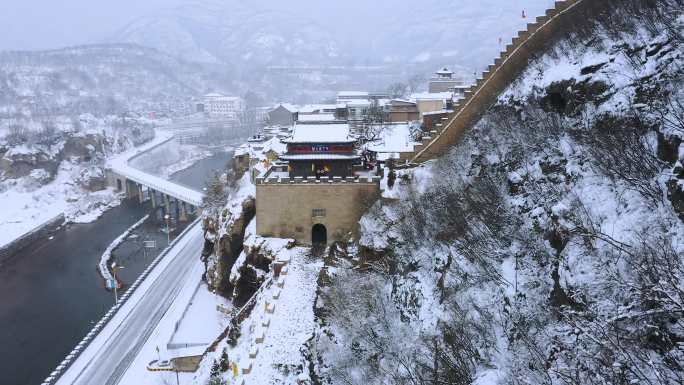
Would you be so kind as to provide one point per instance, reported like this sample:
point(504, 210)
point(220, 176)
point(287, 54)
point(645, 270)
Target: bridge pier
point(132, 190)
point(141, 195)
point(183, 216)
point(153, 197)
point(167, 204)
point(176, 207)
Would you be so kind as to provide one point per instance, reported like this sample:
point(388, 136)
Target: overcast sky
point(43, 24)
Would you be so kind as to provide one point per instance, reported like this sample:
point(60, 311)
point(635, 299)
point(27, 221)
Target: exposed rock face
point(85, 148)
point(20, 161)
point(249, 270)
point(224, 236)
point(92, 179)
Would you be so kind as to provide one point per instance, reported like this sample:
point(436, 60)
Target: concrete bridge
point(140, 185)
point(506, 68)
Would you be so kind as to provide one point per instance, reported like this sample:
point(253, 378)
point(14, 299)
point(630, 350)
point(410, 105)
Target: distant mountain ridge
point(101, 79)
point(237, 34)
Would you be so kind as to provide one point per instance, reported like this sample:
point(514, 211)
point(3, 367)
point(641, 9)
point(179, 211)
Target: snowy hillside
point(546, 248)
point(106, 79)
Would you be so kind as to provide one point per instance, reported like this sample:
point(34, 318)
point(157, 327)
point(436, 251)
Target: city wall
point(530, 43)
point(289, 208)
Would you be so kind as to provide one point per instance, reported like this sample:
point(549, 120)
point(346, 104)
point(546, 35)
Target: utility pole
point(115, 283)
point(168, 232)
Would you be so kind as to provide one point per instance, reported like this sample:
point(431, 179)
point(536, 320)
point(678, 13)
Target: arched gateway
point(319, 235)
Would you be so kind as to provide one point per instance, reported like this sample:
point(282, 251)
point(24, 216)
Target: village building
point(319, 188)
point(431, 102)
point(398, 110)
point(443, 81)
point(459, 91)
point(258, 154)
point(222, 105)
point(337, 110)
point(357, 109)
point(283, 115)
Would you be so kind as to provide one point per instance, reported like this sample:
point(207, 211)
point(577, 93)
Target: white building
point(219, 104)
point(347, 96)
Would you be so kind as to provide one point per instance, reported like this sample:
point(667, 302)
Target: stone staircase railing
point(505, 69)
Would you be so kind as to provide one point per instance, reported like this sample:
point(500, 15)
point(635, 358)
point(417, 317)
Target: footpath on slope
point(278, 326)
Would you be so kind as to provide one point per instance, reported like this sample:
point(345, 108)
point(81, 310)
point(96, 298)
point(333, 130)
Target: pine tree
point(215, 370)
point(216, 196)
point(224, 363)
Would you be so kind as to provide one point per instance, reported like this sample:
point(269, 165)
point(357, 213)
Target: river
point(52, 293)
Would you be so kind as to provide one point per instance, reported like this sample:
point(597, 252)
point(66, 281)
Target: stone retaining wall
point(9, 250)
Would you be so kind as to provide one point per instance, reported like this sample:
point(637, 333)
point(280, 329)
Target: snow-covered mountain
point(233, 32)
point(307, 33)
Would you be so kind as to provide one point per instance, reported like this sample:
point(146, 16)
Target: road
point(112, 352)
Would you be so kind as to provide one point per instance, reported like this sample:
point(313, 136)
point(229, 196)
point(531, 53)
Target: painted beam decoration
point(320, 148)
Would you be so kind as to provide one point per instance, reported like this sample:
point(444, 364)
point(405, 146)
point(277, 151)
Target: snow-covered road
point(111, 353)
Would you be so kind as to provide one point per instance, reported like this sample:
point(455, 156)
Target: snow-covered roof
point(432, 96)
point(274, 144)
point(437, 112)
point(287, 106)
point(319, 157)
point(347, 94)
point(401, 101)
point(221, 97)
point(444, 71)
point(316, 118)
point(310, 108)
point(321, 133)
point(358, 103)
point(394, 138)
point(242, 150)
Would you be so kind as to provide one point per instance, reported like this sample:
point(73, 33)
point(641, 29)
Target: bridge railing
point(71, 358)
point(184, 193)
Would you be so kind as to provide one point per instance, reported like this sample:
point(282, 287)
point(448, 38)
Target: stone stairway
point(505, 69)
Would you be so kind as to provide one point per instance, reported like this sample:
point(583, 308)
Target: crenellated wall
point(506, 68)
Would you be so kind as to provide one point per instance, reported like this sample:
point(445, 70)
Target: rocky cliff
point(224, 227)
point(544, 248)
